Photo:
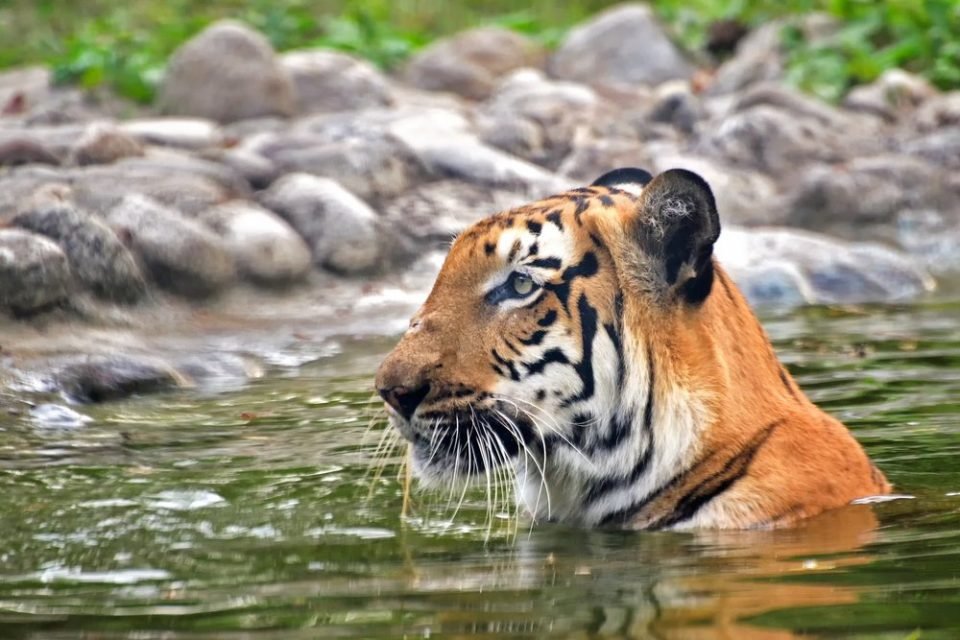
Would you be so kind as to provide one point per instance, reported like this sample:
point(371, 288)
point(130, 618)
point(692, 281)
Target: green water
point(252, 514)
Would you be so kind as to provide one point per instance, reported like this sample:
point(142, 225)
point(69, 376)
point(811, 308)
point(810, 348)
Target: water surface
point(253, 514)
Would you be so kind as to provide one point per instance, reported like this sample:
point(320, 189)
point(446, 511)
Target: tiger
point(592, 343)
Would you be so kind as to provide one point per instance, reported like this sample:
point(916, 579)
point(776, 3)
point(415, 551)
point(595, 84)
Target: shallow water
point(253, 513)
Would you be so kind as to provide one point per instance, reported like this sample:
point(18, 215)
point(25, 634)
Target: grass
point(124, 45)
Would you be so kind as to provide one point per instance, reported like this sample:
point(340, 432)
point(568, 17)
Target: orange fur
point(730, 439)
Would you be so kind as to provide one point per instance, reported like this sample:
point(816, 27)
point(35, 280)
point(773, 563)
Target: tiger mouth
point(468, 443)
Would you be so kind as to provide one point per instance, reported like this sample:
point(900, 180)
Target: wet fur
point(637, 389)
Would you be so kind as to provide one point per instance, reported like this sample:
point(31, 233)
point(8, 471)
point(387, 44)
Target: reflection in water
point(253, 515)
point(623, 585)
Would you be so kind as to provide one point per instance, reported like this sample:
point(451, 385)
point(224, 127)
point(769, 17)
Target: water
point(253, 514)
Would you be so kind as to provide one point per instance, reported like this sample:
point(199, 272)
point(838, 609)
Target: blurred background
point(216, 218)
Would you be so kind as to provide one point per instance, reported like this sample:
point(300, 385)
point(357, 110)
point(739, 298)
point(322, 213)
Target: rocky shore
point(311, 188)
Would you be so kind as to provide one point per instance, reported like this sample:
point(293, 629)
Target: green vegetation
point(125, 45)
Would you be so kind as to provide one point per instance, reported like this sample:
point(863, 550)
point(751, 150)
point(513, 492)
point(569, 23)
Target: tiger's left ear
point(675, 227)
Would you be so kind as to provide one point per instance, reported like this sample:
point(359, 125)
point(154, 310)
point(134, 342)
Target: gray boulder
point(332, 81)
point(558, 111)
point(265, 248)
point(104, 143)
point(103, 378)
point(433, 213)
point(374, 166)
point(97, 258)
point(186, 133)
point(623, 45)
point(181, 255)
point(188, 184)
point(786, 267)
point(869, 190)
point(760, 56)
point(339, 227)
point(470, 62)
point(34, 272)
point(227, 72)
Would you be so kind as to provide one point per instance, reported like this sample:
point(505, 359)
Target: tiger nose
point(405, 401)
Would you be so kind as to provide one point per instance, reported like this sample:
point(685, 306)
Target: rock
point(113, 377)
point(332, 81)
point(104, 143)
point(340, 229)
point(181, 255)
point(22, 89)
point(786, 267)
point(760, 55)
point(932, 237)
point(470, 62)
point(265, 248)
point(868, 191)
point(217, 372)
point(227, 72)
point(187, 184)
point(56, 416)
point(24, 149)
point(771, 140)
point(448, 148)
point(676, 105)
point(940, 147)
point(433, 213)
point(938, 112)
point(18, 184)
point(97, 258)
point(373, 167)
point(623, 45)
point(34, 273)
point(559, 110)
point(895, 94)
point(593, 157)
point(184, 133)
point(257, 170)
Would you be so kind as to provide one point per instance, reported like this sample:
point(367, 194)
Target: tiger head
point(540, 345)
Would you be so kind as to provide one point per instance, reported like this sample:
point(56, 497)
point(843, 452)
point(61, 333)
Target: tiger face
point(579, 341)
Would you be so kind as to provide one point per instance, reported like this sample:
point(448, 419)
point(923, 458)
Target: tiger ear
point(675, 227)
point(629, 179)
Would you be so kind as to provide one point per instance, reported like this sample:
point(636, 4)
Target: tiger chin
point(592, 342)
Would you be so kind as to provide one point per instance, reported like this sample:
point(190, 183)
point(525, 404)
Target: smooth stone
point(181, 255)
point(623, 45)
point(327, 81)
point(103, 378)
point(34, 272)
point(97, 258)
point(265, 248)
point(225, 73)
point(339, 227)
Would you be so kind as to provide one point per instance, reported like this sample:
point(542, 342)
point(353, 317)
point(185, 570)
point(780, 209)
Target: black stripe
point(534, 227)
point(584, 368)
point(548, 319)
point(740, 462)
point(510, 366)
point(534, 339)
point(707, 490)
point(555, 218)
point(550, 356)
point(640, 466)
point(546, 263)
point(786, 383)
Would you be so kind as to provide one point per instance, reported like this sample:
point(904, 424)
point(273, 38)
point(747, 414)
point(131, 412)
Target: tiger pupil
point(522, 285)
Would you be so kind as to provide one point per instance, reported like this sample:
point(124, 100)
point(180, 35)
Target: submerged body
point(591, 341)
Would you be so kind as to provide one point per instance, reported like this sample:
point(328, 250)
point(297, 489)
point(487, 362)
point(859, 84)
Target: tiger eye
point(522, 285)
